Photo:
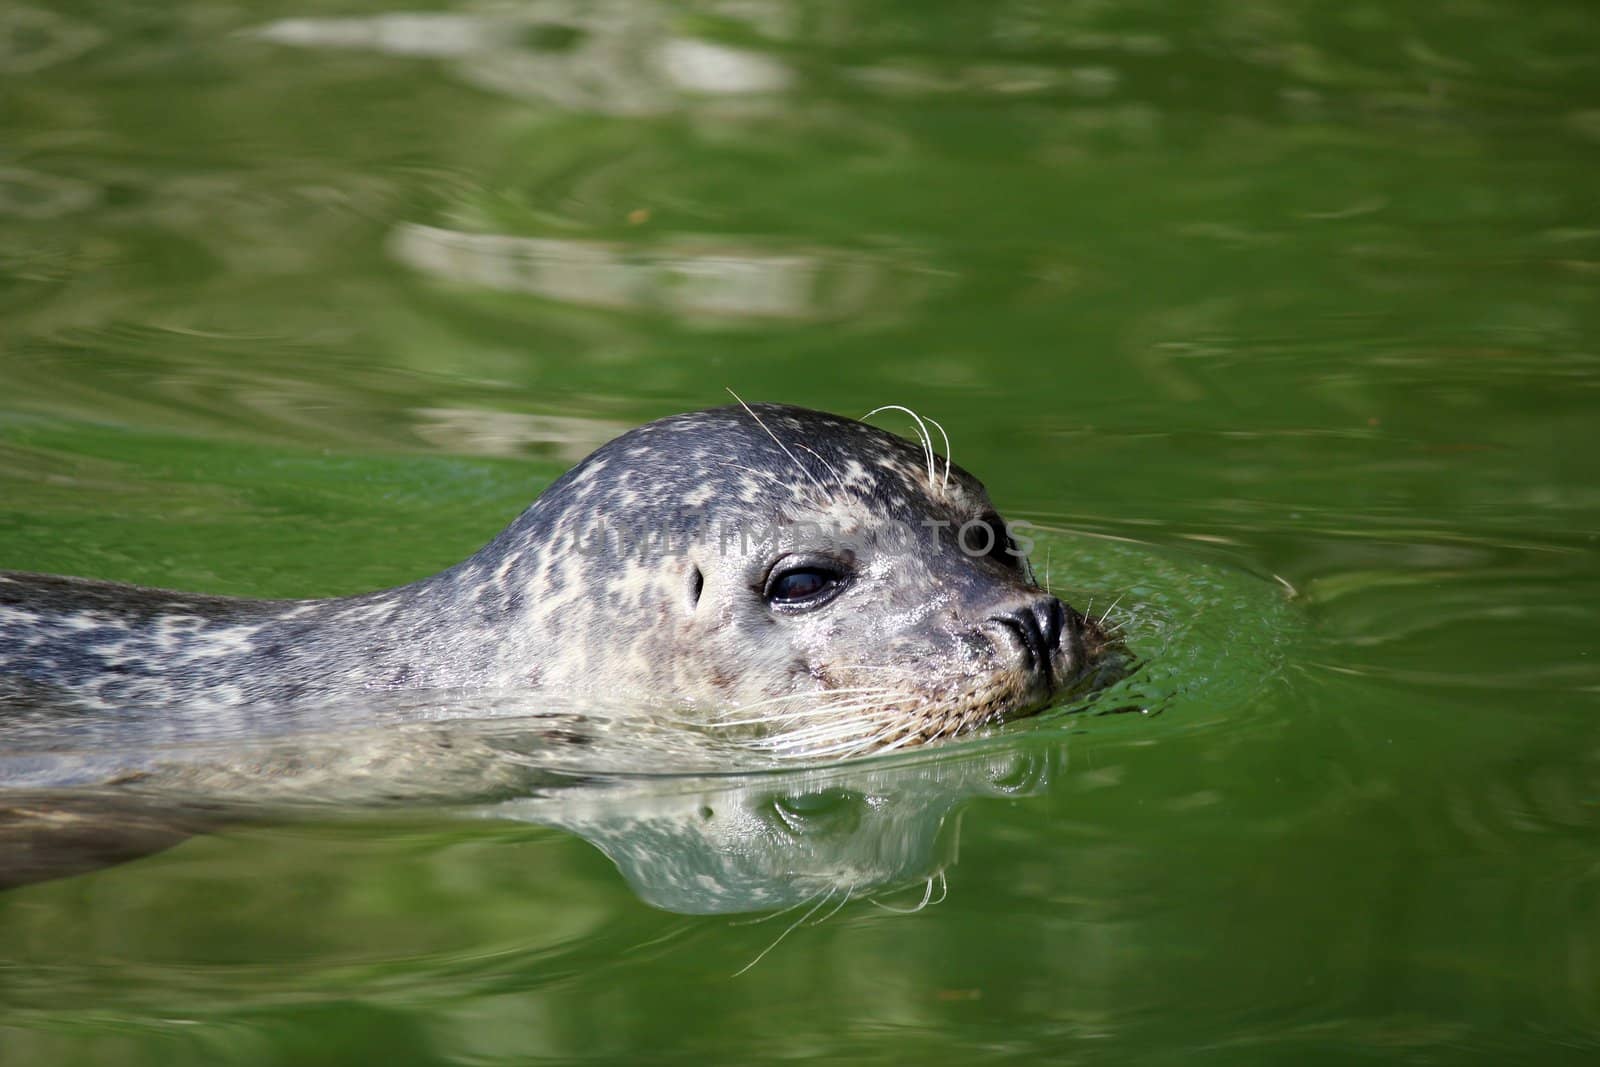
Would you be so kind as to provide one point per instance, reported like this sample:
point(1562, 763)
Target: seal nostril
point(1025, 627)
point(1039, 628)
point(1052, 617)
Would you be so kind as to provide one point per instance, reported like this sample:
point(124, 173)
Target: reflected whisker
point(849, 889)
point(802, 902)
point(791, 929)
point(927, 895)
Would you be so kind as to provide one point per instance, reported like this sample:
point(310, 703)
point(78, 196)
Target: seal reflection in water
point(805, 582)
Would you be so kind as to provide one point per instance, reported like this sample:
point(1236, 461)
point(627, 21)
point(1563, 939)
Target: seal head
point(809, 581)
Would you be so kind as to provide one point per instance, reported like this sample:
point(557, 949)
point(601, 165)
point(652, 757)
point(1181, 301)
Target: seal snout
point(1039, 627)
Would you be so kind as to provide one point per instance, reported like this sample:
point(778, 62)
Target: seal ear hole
point(697, 585)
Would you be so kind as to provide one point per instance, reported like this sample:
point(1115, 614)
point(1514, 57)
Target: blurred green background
point(306, 299)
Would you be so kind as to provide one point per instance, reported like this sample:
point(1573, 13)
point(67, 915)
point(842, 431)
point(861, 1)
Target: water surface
point(1281, 319)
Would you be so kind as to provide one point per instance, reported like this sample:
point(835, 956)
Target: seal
point(804, 582)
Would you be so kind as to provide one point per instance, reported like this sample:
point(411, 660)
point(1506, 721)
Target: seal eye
point(804, 585)
point(1002, 547)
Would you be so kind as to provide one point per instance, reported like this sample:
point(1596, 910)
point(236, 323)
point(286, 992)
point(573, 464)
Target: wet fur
point(908, 654)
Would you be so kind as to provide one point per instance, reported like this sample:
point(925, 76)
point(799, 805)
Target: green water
point(1284, 318)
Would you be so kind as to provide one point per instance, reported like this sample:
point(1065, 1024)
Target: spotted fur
point(636, 576)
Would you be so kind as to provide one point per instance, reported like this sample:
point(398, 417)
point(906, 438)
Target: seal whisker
point(922, 432)
point(739, 709)
point(828, 709)
point(853, 730)
point(825, 740)
point(823, 719)
point(828, 714)
point(768, 475)
point(824, 731)
point(944, 483)
point(909, 736)
point(813, 695)
point(1113, 626)
point(749, 411)
point(851, 741)
point(1108, 611)
point(829, 751)
point(829, 466)
point(816, 495)
point(822, 728)
point(900, 743)
point(806, 745)
point(835, 699)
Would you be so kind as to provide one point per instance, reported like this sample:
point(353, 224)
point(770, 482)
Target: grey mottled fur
point(914, 634)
